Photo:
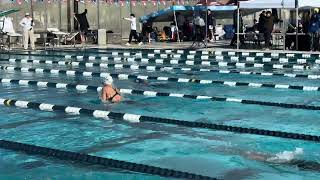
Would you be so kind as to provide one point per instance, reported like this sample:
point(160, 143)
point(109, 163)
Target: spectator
point(314, 31)
point(180, 21)
point(211, 24)
point(133, 31)
point(84, 25)
point(268, 28)
point(173, 32)
point(146, 30)
point(199, 28)
point(306, 22)
point(253, 28)
point(28, 32)
point(235, 26)
point(255, 25)
point(261, 21)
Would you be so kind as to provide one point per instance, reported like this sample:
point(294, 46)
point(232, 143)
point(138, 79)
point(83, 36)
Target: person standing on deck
point(211, 25)
point(28, 32)
point(268, 28)
point(84, 25)
point(133, 31)
point(314, 30)
point(235, 26)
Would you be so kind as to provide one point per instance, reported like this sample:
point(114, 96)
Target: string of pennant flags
point(116, 2)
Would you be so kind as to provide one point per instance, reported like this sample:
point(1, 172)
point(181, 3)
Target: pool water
point(219, 154)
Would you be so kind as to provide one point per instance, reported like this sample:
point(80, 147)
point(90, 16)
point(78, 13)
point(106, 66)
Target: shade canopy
point(167, 14)
point(268, 4)
point(308, 3)
point(7, 12)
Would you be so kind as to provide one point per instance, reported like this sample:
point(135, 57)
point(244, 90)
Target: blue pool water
point(220, 154)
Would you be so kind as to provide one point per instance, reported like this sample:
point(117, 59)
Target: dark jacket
point(314, 23)
point(82, 19)
point(268, 24)
point(261, 22)
point(211, 20)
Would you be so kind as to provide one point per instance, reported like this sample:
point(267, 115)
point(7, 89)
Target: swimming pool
point(216, 114)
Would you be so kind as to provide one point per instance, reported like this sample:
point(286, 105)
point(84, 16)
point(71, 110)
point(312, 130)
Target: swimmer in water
point(306, 66)
point(141, 81)
point(110, 93)
point(281, 157)
point(152, 84)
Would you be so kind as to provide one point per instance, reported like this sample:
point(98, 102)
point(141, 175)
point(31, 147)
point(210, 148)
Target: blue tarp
point(166, 15)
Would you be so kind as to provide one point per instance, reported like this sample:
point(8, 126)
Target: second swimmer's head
point(108, 80)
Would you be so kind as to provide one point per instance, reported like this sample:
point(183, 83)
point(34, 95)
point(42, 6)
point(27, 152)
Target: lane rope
point(159, 68)
point(203, 52)
point(201, 60)
point(133, 118)
point(213, 56)
point(161, 78)
point(96, 160)
point(82, 88)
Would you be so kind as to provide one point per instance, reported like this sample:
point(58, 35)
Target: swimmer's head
point(307, 66)
point(138, 80)
point(108, 80)
point(142, 81)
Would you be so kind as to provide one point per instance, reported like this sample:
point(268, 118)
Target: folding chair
point(54, 35)
point(249, 38)
point(71, 38)
point(259, 39)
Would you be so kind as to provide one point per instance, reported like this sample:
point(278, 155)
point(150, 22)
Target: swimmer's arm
point(104, 94)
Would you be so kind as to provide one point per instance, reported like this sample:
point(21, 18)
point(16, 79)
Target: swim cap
point(108, 80)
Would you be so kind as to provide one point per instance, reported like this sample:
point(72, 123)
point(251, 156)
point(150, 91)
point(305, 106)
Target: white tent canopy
point(266, 4)
point(308, 3)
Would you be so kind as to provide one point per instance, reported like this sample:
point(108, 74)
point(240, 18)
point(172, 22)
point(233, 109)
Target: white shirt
point(199, 21)
point(8, 26)
point(133, 23)
point(26, 23)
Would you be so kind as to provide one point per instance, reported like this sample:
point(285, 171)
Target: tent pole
point(120, 20)
point(46, 16)
point(238, 26)
point(284, 33)
point(60, 19)
point(98, 13)
point(175, 20)
point(31, 8)
point(206, 38)
point(297, 27)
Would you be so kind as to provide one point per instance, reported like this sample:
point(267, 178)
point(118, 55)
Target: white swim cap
point(108, 80)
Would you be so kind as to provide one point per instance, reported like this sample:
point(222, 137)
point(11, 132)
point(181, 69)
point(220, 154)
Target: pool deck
point(222, 45)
